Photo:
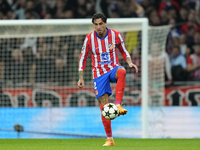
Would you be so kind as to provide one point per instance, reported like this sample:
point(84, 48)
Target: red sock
point(119, 90)
point(106, 124)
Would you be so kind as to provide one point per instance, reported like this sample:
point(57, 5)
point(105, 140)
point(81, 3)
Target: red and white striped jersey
point(103, 52)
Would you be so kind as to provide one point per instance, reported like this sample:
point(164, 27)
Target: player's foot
point(109, 142)
point(122, 111)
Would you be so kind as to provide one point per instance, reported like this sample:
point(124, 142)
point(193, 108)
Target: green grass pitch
point(96, 144)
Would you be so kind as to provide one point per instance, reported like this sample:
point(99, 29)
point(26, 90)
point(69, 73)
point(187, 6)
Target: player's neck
point(103, 34)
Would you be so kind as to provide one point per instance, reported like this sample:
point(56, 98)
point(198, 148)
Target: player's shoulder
point(116, 32)
point(88, 36)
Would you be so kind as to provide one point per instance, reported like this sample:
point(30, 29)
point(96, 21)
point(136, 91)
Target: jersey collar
point(104, 36)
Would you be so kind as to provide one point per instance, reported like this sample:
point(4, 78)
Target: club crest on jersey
point(111, 45)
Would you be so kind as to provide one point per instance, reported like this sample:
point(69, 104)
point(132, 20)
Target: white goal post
point(66, 27)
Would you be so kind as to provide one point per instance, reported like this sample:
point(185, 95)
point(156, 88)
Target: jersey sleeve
point(84, 55)
point(122, 47)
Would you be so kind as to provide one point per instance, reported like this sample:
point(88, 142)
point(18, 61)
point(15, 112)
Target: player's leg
point(120, 77)
point(103, 90)
point(104, 99)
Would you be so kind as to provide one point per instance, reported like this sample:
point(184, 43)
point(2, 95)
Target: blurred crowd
point(54, 59)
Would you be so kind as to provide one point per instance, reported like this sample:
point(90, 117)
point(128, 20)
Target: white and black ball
point(110, 111)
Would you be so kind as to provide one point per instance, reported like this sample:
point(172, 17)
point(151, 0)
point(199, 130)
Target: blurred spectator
point(68, 14)
point(178, 63)
point(190, 37)
point(193, 20)
point(164, 17)
point(44, 64)
point(58, 57)
point(11, 15)
point(16, 67)
point(185, 50)
point(31, 43)
point(193, 63)
point(4, 7)
point(157, 60)
point(197, 37)
point(183, 14)
point(59, 74)
point(55, 47)
point(173, 36)
point(172, 12)
point(30, 5)
point(103, 6)
point(20, 9)
point(168, 4)
point(39, 43)
point(192, 4)
point(28, 67)
point(84, 8)
point(48, 16)
point(183, 43)
point(5, 60)
point(59, 9)
point(129, 8)
point(154, 19)
point(43, 8)
point(145, 4)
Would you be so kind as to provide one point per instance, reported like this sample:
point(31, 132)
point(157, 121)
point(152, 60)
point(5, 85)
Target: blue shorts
point(102, 83)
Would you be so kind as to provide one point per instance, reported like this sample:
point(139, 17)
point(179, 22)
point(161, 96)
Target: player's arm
point(190, 66)
point(139, 9)
point(125, 53)
point(81, 81)
point(131, 65)
point(82, 62)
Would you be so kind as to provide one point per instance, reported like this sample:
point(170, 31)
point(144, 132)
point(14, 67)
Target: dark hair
point(98, 16)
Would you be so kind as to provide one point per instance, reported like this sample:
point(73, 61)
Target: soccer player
point(103, 43)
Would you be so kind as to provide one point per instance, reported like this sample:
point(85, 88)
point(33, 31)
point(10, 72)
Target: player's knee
point(121, 73)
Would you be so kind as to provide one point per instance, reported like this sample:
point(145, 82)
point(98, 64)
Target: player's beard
point(101, 33)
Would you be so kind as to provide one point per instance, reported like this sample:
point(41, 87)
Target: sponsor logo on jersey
point(105, 56)
point(104, 63)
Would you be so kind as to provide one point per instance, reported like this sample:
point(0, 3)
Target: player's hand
point(80, 83)
point(131, 65)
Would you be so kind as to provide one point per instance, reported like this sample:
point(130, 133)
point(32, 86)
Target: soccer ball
point(110, 111)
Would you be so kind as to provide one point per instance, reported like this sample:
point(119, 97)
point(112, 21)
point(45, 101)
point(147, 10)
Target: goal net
point(39, 97)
